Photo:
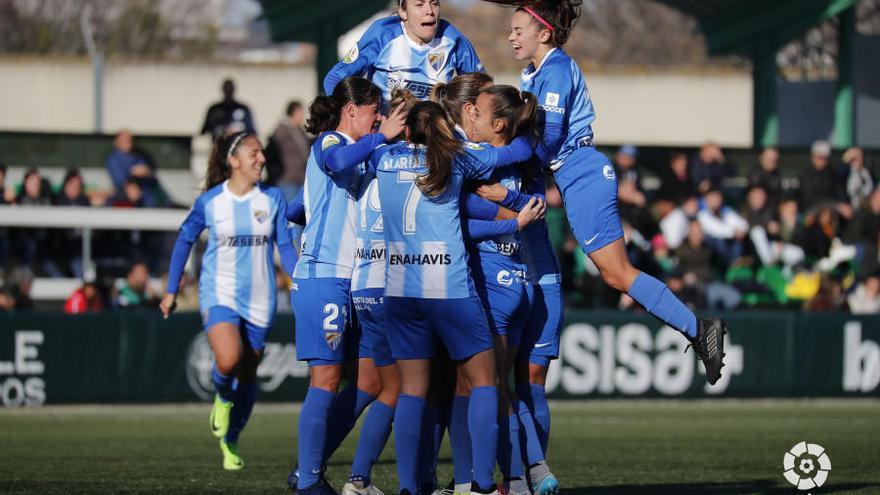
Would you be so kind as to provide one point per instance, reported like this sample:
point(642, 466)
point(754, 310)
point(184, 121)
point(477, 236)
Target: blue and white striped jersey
point(328, 240)
point(426, 255)
point(389, 58)
point(238, 269)
point(563, 98)
point(369, 269)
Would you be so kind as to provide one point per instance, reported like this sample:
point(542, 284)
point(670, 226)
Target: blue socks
point(428, 450)
point(541, 413)
point(509, 458)
point(483, 427)
point(407, 433)
point(374, 436)
point(460, 441)
point(223, 385)
point(533, 451)
point(344, 413)
point(658, 300)
point(243, 405)
point(313, 435)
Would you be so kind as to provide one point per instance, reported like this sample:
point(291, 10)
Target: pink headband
point(539, 18)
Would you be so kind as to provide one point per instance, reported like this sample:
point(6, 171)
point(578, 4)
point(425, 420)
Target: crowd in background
point(811, 243)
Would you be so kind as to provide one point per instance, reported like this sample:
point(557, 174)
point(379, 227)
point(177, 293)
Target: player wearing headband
point(413, 50)
point(244, 220)
point(538, 31)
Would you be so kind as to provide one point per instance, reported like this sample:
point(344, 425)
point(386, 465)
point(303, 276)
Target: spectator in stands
point(5, 198)
point(132, 196)
point(708, 167)
point(228, 115)
point(766, 175)
point(866, 298)
point(859, 182)
point(21, 281)
point(72, 191)
point(7, 302)
point(35, 190)
point(66, 244)
point(820, 229)
point(695, 267)
point(288, 151)
point(84, 299)
point(764, 230)
point(126, 163)
point(723, 228)
point(676, 185)
point(788, 218)
point(830, 296)
point(134, 291)
point(820, 185)
point(676, 224)
point(32, 245)
point(631, 200)
point(866, 222)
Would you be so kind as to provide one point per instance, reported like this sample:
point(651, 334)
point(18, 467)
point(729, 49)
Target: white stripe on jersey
point(226, 282)
point(262, 296)
point(395, 280)
point(434, 274)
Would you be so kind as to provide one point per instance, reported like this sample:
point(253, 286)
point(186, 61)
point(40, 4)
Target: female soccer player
point(428, 290)
point(237, 285)
point(414, 50)
point(343, 124)
point(538, 31)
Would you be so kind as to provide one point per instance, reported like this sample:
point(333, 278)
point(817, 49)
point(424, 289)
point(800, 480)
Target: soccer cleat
point(293, 479)
point(219, 419)
point(709, 345)
point(358, 488)
point(232, 461)
point(459, 489)
point(549, 485)
point(322, 487)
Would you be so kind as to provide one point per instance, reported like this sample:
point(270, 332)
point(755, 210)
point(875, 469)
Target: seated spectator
point(228, 115)
point(72, 190)
point(125, 163)
point(631, 200)
point(134, 291)
point(676, 224)
point(859, 183)
point(819, 184)
point(31, 246)
point(695, 266)
point(764, 231)
point(7, 302)
point(723, 227)
point(788, 220)
point(132, 196)
point(21, 281)
point(676, 185)
point(708, 167)
point(766, 175)
point(84, 299)
point(35, 190)
point(66, 244)
point(830, 296)
point(865, 223)
point(866, 298)
point(820, 229)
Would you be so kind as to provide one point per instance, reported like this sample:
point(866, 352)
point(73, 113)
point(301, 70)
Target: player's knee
point(537, 375)
point(370, 384)
point(226, 362)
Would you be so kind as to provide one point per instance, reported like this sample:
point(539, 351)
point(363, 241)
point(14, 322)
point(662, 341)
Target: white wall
point(647, 108)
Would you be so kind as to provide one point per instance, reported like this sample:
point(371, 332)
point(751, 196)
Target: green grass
point(596, 448)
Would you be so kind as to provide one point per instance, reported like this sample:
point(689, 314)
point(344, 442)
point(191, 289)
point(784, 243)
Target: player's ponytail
point(218, 161)
point(429, 126)
point(559, 16)
point(324, 112)
point(517, 109)
point(464, 88)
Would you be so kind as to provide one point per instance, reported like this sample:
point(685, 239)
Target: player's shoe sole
point(232, 461)
point(709, 345)
point(219, 419)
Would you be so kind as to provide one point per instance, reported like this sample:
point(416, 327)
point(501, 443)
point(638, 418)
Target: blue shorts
point(256, 336)
point(589, 190)
point(505, 294)
point(540, 342)
point(414, 324)
point(321, 311)
point(369, 306)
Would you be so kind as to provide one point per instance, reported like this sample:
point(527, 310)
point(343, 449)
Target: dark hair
point(218, 162)
point(324, 110)
point(517, 109)
point(463, 88)
point(293, 106)
point(561, 14)
point(430, 126)
point(72, 173)
point(402, 96)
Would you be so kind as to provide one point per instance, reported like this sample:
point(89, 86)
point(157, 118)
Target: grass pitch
point(645, 448)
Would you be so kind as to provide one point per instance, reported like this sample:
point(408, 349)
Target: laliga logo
point(608, 172)
point(806, 466)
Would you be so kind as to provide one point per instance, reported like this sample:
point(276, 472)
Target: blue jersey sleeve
point(359, 60)
point(296, 209)
point(480, 230)
point(480, 160)
point(556, 96)
point(283, 235)
point(476, 207)
point(337, 156)
point(192, 226)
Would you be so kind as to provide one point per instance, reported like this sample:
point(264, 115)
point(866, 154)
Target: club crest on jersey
point(333, 339)
point(352, 55)
point(436, 60)
point(473, 146)
point(329, 140)
point(608, 172)
point(261, 215)
point(396, 80)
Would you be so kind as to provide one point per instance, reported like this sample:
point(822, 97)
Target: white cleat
point(357, 488)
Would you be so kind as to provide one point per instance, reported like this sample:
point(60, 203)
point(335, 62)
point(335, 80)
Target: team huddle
point(425, 276)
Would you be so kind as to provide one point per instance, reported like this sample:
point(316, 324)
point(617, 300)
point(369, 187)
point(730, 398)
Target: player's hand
point(168, 305)
point(534, 210)
point(394, 123)
point(495, 193)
